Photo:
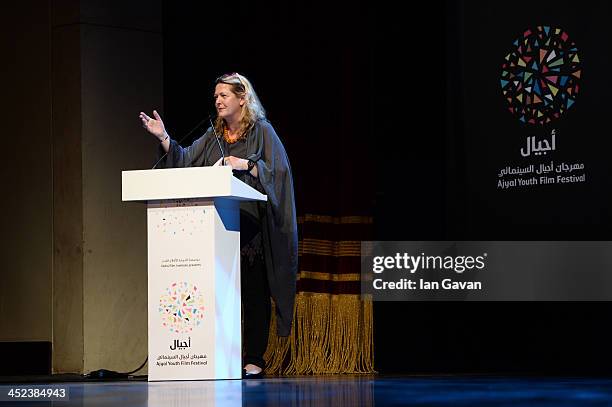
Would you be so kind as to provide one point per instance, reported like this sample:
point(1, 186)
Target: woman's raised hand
point(154, 125)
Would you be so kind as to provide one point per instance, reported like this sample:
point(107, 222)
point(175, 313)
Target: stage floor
point(338, 391)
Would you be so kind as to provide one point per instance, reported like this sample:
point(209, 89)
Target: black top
point(250, 211)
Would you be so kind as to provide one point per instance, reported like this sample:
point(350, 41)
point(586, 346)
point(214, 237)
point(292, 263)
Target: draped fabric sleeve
point(191, 156)
point(280, 225)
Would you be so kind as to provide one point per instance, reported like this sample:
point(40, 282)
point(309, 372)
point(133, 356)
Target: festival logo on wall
point(540, 81)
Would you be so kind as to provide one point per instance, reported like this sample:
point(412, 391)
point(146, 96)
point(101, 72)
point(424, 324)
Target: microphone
point(183, 139)
point(218, 142)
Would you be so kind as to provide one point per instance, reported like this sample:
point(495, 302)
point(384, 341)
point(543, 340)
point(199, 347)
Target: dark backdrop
point(482, 137)
point(370, 103)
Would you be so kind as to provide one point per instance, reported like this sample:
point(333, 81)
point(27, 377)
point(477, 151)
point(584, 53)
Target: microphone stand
point(218, 142)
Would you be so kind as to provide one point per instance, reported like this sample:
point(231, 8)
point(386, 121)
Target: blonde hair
point(252, 110)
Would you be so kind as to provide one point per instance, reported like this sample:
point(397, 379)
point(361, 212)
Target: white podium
point(193, 230)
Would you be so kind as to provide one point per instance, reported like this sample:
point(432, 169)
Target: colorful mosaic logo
point(540, 76)
point(182, 307)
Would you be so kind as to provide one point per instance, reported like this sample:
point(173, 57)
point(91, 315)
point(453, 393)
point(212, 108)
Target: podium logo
point(181, 307)
point(541, 75)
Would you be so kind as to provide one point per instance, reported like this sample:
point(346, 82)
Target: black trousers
point(256, 304)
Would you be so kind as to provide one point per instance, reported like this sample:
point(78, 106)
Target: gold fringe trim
point(331, 334)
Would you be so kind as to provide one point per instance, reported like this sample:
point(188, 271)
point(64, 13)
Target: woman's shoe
point(246, 375)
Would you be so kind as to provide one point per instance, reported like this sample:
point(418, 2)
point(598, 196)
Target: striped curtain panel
point(332, 324)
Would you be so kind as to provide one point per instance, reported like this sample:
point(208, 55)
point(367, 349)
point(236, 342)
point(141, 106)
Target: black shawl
point(279, 226)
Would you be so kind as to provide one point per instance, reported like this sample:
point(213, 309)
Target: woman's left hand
point(237, 163)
